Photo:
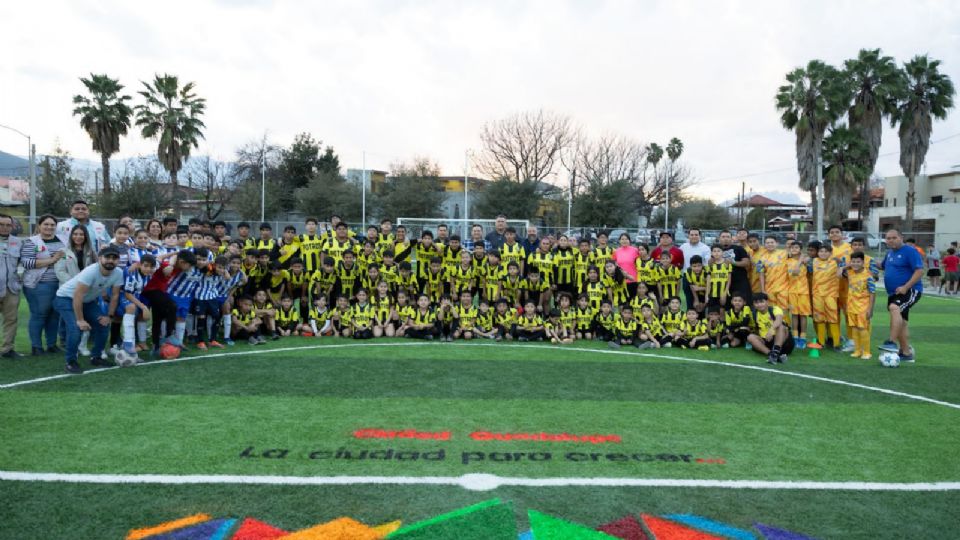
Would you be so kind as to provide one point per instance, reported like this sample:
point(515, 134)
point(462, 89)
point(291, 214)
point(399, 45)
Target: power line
point(785, 169)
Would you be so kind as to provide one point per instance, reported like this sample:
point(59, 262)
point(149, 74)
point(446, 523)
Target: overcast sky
point(403, 78)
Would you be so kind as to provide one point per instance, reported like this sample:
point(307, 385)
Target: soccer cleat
point(703, 348)
point(498, 338)
point(74, 368)
point(848, 346)
point(772, 358)
point(866, 356)
point(230, 342)
point(202, 346)
point(611, 344)
point(94, 361)
point(274, 338)
point(253, 340)
point(129, 348)
point(856, 354)
point(908, 358)
point(521, 339)
point(800, 342)
point(889, 346)
point(725, 346)
point(216, 344)
point(175, 342)
point(261, 340)
point(783, 359)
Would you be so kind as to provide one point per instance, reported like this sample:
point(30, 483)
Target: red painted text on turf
point(372, 433)
point(544, 437)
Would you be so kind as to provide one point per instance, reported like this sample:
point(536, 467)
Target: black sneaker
point(36, 351)
point(53, 349)
point(97, 361)
point(773, 358)
point(12, 354)
point(74, 368)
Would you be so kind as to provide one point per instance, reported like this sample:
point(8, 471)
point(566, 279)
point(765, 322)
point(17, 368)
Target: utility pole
point(743, 202)
point(819, 194)
point(466, 194)
point(363, 190)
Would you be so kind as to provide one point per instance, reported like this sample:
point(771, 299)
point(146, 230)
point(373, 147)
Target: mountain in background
point(11, 165)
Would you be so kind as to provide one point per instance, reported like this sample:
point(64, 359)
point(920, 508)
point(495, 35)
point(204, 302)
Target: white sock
point(142, 331)
point(179, 329)
point(227, 320)
point(313, 325)
point(210, 336)
point(192, 325)
point(84, 337)
point(129, 322)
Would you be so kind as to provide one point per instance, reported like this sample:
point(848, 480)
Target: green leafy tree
point(930, 95)
point(845, 158)
point(330, 193)
point(105, 116)
point(413, 190)
point(141, 190)
point(299, 163)
point(57, 187)
point(878, 85)
point(172, 114)
point(756, 218)
point(814, 97)
point(608, 204)
point(516, 200)
point(699, 213)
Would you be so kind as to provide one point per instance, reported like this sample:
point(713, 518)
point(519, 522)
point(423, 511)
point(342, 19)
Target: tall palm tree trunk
point(863, 209)
point(908, 219)
point(105, 165)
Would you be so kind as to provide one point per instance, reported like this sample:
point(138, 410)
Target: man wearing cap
point(80, 215)
point(78, 303)
point(10, 286)
point(666, 244)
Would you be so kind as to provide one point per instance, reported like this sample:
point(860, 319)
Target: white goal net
point(415, 226)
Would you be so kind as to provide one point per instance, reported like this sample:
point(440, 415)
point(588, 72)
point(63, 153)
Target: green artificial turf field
point(292, 409)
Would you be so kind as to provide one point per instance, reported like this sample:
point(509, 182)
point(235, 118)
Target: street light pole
point(263, 185)
point(466, 193)
point(32, 171)
point(363, 195)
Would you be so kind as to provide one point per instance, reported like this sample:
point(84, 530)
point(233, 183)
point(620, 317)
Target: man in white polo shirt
point(78, 302)
point(693, 246)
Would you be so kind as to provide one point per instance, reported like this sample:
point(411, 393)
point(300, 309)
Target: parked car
point(871, 240)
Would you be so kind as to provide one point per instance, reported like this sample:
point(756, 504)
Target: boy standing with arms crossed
point(861, 295)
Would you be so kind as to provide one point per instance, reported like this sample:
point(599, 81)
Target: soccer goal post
point(415, 226)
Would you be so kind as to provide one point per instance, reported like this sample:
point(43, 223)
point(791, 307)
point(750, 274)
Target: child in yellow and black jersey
point(340, 315)
point(716, 330)
point(297, 283)
point(503, 319)
point(605, 321)
point(465, 317)
point(462, 276)
point(319, 323)
point(363, 317)
point(389, 271)
point(288, 318)
point(672, 321)
point(626, 328)
point(368, 256)
point(382, 303)
point(647, 268)
point(595, 290)
point(693, 333)
point(251, 268)
point(585, 314)
point(276, 285)
point(452, 254)
point(512, 285)
point(738, 320)
point(493, 274)
point(434, 279)
point(616, 283)
point(554, 329)
point(529, 327)
point(323, 281)
point(568, 314)
point(402, 313)
point(445, 318)
point(651, 331)
point(422, 324)
point(484, 326)
point(245, 323)
point(563, 266)
point(582, 261)
point(644, 297)
point(348, 275)
point(697, 277)
point(371, 278)
point(536, 290)
point(406, 281)
point(720, 271)
point(668, 278)
point(511, 250)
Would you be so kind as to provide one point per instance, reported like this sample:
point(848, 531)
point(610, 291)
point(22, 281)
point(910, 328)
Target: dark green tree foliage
point(846, 159)
point(329, 193)
point(247, 177)
point(57, 188)
point(755, 218)
point(413, 190)
point(171, 114)
point(105, 116)
point(608, 204)
point(142, 190)
point(516, 200)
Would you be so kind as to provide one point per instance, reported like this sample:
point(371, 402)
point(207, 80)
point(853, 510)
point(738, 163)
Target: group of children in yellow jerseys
point(385, 284)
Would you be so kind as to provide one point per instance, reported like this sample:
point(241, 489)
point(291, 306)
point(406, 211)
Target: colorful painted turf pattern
point(487, 520)
point(196, 416)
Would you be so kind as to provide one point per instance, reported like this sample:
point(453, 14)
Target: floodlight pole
point(466, 193)
point(819, 195)
point(363, 192)
point(263, 184)
point(32, 171)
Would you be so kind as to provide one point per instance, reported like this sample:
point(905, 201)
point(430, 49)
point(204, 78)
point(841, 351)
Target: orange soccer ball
point(169, 352)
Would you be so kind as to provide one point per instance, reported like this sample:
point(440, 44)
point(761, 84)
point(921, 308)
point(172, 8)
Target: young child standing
point(798, 292)
point(826, 291)
point(861, 295)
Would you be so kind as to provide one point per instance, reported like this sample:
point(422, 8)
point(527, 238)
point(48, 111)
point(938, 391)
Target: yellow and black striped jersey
point(714, 330)
point(638, 302)
point(467, 316)
point(347, 278)
point(601, 255)
point(512, 288)
point(696, 278)
point(335, 248)
point(451, 258)
point(514, 253)
point(385, 242)
point(409, 284)
point(581, 263)
point(626, 328)
point(597, 292)
point(319, 317)
point(671, 321)
point(563, 266)
point(648, 271)
point(404, 313)
point(585, 318)
point(568, 318)
point(402, 251)
point(464, 279)
point(617, 289)
point(287, 252)
point(719, 277)
point(424, 254)
point(323, 282)
point(363, 316)
point(692, 330)
point(383, 305)
point(364, 260)
point(608, 321)
point(310, 246)
point(505, 319)
point(544, 263)
point(743, 318)
point(287, 318)
point(669, 280)
point(244, 318)
point(652, 327)
point(527, 322)
point(485, 320)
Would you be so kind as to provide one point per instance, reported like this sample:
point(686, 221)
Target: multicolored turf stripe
point(488, 520)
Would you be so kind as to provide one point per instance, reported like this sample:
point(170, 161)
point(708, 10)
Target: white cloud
point(404, 78)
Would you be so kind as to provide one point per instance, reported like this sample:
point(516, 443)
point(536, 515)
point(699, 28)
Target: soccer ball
point(124, 359)
point(889, 359)
point(169, 351)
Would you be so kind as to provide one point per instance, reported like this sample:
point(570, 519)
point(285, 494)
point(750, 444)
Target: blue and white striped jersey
point(134, 281)
point(234, 281)
point(209, 287)
point(183, 284)
point(137, 253)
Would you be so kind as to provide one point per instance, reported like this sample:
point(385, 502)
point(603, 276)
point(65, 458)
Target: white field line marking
point(476, 482)
point(501, 345)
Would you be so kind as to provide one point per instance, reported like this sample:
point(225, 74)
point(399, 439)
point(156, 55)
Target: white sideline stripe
point(896, 393)
point(476, 482)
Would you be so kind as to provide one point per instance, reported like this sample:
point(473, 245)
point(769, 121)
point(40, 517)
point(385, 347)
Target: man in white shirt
point(80, 215)
point(693, 246)
point(78, 302)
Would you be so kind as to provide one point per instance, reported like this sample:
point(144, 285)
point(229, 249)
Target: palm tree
point(929, 95)
point(674, 149)
point(105, 116)
point(845, 156)
point(813, 98)
point(878, 85)
point(172, 114)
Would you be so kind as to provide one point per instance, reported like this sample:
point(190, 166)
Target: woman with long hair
point(626, 258)
point(39, 255)
point(155, 230)
point(78, 254)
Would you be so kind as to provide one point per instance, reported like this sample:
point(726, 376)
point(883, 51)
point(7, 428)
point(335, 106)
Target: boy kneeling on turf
point(770, 336)
point(246, 325)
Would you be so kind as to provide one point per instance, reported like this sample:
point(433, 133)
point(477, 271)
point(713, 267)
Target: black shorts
point(933, 272)
point(904, 302)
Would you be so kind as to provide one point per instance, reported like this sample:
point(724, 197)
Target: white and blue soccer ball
point(889, 359)
point(124, 359)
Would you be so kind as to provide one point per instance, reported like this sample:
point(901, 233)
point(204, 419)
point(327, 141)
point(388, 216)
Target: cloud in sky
point(398, 79)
